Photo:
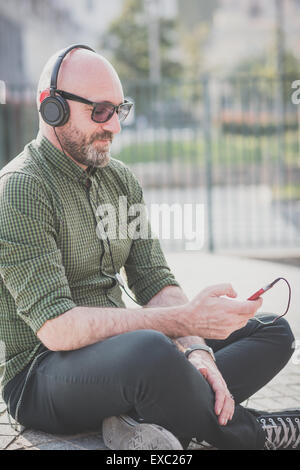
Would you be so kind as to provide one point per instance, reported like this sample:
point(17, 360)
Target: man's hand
point(224, 403)
point(212, 316)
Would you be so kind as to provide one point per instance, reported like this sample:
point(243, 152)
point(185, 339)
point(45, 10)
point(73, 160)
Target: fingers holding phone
point(215, 313)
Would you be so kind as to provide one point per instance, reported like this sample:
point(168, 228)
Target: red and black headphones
point(54, 108)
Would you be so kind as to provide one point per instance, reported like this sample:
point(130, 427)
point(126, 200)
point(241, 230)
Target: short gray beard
point(80, 151)
point(95, 158)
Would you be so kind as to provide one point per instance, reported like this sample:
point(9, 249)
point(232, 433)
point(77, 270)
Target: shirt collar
point(61, 161)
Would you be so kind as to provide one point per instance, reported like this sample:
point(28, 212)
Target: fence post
point(208, 160)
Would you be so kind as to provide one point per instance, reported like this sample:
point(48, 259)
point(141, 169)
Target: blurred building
point(32, 30)
point(93, 16)
point(244, 29)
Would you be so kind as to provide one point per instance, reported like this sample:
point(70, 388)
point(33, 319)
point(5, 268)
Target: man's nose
point(112, 125)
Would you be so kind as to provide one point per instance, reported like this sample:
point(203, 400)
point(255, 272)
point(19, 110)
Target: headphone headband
point(54, 109)
point(54, 75)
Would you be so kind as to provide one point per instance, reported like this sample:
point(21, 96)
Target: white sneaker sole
point(124, 433)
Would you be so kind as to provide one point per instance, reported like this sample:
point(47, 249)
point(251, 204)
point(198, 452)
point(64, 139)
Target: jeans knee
point(153, 351)
point(154, 344)
point(286, 336)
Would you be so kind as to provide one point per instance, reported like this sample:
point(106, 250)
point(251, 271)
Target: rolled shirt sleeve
point(30, 260)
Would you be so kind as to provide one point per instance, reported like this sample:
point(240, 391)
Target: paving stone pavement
point(282, 392)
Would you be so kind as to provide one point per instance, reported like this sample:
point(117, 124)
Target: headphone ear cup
point(55, 111)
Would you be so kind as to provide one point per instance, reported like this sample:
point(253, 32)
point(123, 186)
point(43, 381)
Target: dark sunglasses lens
point(103, 112)
point(124, 111)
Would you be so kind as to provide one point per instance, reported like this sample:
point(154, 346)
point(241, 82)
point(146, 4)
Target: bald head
point(87, 75)
point(84, 73)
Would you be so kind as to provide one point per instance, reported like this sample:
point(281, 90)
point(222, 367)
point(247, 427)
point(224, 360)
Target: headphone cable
point(117, 276)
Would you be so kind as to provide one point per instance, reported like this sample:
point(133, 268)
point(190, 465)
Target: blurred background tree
point(195, 25)
point(264, 66)
point(198, 10)
point(127, 40)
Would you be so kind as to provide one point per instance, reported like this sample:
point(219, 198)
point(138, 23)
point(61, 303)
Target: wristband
point(200, 347)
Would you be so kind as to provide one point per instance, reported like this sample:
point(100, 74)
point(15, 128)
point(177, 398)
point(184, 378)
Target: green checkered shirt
point(51, 258)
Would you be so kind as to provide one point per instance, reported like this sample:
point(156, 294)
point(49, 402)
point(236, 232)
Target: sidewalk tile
point(89, 442)
point(5, 441)
point(4, 418)
point(58, 445)
point(31, 438)
point(265, 404)
point(7, 430)
point(2, 407)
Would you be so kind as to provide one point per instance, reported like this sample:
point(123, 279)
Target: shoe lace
point(282, 435)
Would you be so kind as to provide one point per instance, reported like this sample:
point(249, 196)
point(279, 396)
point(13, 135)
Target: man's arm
point(174, 295)
point(208, 315)
point(81, 326)
point(30, 260)
point(168, 296)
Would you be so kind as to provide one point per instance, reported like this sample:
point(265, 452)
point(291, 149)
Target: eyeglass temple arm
point(72, 97)
point(84, 100)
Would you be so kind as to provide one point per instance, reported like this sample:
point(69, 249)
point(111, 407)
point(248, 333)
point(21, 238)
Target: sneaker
point(125, 433)
point(282, 429)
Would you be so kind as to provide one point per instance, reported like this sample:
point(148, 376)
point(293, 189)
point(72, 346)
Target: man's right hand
point(215, 317)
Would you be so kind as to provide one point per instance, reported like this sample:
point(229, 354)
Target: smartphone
point(261, 291)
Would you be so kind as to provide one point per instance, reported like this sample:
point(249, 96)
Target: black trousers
point(143, 372)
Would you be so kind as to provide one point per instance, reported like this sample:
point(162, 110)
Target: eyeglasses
point(103, 111)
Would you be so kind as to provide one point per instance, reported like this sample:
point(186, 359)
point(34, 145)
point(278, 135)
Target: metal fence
point(229, 146)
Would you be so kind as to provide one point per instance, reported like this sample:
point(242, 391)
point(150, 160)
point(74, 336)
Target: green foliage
point(195, 17)
point(194, 12)
point(127, 40)
point(257, 128)
point(265, 66)
point(227, 149)
point(193, 44)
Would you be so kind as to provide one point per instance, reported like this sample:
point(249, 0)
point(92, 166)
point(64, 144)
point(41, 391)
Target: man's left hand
point(224, 402)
